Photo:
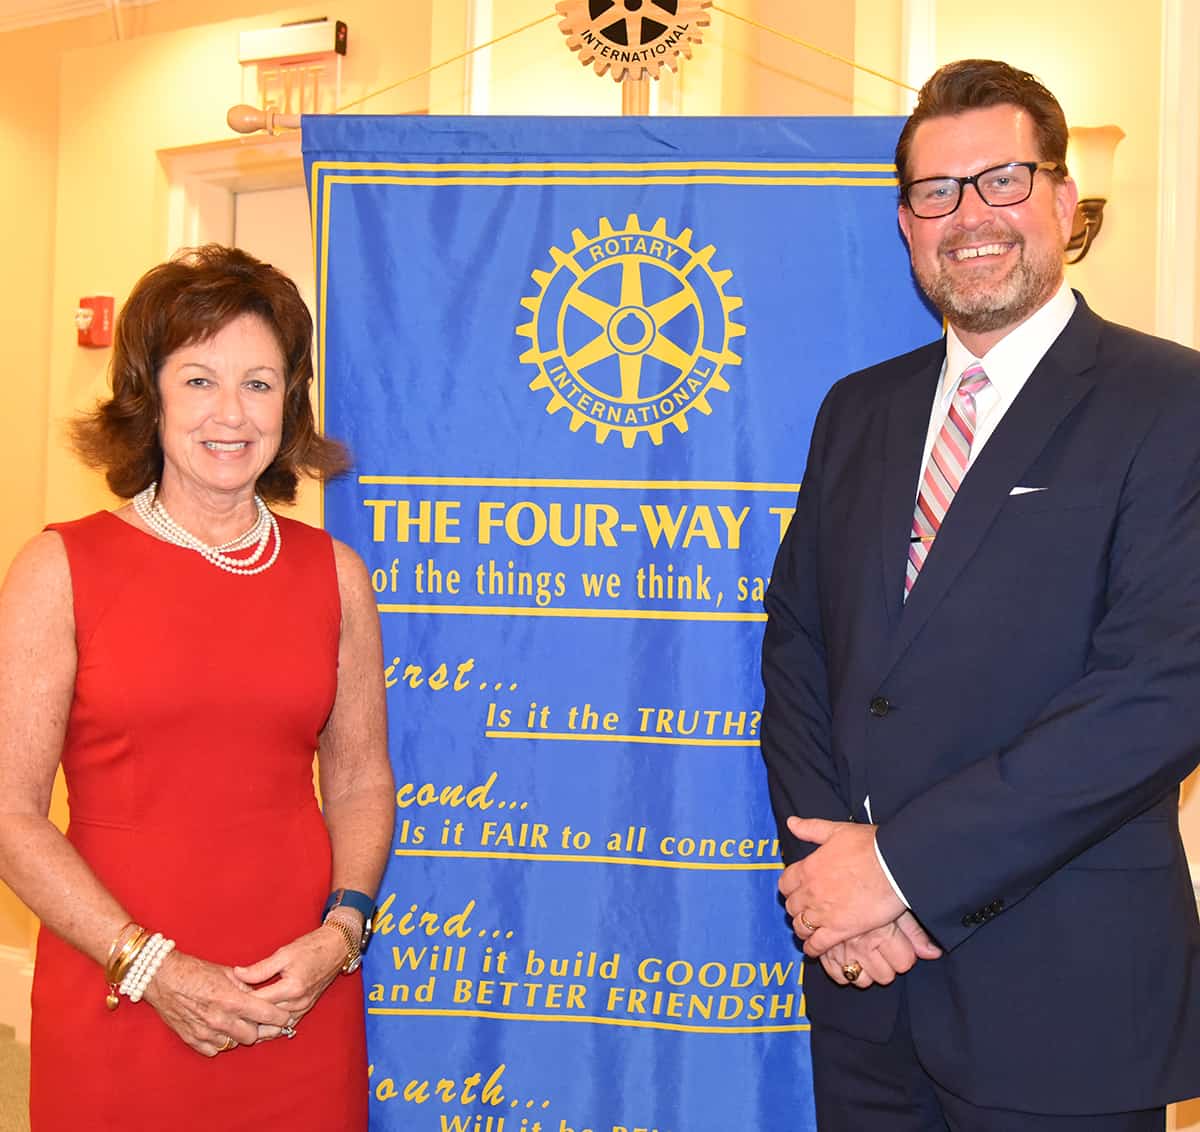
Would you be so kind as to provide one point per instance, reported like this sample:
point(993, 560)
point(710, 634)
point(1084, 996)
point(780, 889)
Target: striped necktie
point(945, 470)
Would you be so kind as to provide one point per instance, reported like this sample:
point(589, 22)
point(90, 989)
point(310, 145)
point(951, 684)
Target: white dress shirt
point(1008, 365)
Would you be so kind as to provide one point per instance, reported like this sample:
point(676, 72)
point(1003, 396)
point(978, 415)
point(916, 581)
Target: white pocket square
point(1025, 490)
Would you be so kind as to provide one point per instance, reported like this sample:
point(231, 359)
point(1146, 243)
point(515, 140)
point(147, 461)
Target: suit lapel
point(1053, 389)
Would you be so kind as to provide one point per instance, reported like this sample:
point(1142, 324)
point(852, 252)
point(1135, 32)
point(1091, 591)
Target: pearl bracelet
point(139, 963)
point(168, 945)
point(134, 984)
point(150, 957)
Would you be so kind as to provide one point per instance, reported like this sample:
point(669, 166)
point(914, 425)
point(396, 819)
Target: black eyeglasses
point(998, 187)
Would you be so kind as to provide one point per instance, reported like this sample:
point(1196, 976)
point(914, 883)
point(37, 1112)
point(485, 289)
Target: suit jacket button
point(996, 906)
point(968, 921)
point(879, 707)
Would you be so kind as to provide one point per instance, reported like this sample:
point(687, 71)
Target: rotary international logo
point(630, 330)
point(633, 37)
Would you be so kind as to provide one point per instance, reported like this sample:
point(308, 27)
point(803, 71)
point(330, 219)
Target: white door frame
point(203, 179)
point(1178, 170)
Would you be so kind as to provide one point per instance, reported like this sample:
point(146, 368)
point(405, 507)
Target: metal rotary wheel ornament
point(632, 38)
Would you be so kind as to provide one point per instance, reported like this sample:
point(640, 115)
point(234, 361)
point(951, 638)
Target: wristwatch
point(360, 902)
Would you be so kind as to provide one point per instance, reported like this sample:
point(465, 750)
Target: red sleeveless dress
point(198, 700)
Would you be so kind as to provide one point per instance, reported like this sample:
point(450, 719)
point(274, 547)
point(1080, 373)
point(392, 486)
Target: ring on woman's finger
point(227, 1044)
point(807, 925)
point(288, 1031)
point(851, 971)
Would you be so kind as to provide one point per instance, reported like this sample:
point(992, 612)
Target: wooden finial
point(245, 119)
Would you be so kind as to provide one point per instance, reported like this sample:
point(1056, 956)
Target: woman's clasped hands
point(214, 1008)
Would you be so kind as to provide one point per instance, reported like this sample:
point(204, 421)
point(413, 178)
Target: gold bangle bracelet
point(124, 938)
point(120, 958)
point(116, 970)
point(118, 940)
point(347, 933)
point(120, 973)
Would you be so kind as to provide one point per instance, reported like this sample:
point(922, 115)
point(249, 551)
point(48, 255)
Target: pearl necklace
point(155, 516)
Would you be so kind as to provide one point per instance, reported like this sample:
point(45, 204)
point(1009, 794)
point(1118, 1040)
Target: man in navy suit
point(982, 670)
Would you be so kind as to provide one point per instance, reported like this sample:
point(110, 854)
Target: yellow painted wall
point(532, 73)
point(175, 87)
point(83, 119)
point(29, 128)
point(28, 158)
point(1106, 40)
point(736, 69)
point(767, 74)
point(877, 45)
point(1102, 60)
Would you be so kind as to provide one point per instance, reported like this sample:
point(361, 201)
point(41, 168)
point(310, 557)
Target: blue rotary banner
point(577, 362)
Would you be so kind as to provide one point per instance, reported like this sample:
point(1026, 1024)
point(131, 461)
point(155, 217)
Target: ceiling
point(28, 13)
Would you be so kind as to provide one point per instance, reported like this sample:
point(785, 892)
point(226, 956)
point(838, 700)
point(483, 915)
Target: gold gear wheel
point(632, 37)
point(630, 330)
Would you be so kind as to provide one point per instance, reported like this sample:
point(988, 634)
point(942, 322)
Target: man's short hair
point(976, 84)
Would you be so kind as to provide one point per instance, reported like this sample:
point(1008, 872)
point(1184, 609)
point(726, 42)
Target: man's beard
point(981, 306)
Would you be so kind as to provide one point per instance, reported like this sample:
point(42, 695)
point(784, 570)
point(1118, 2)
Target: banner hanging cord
point(812, 47)
point(446, 62)
point(552, 15)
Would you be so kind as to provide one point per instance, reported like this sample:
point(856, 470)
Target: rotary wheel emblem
point(631, 330)
point(633, 37)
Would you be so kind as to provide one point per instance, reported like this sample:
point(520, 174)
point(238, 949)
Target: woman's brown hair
point(185, 300)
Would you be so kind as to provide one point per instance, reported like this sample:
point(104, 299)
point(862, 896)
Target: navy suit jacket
point(1021, 725)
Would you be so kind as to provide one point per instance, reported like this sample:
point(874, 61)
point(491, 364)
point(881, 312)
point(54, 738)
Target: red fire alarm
point(94, 320)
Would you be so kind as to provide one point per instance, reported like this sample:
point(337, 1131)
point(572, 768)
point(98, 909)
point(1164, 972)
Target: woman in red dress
point(183, 657)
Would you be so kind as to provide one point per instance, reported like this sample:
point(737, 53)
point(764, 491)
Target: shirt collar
point(1011, 360)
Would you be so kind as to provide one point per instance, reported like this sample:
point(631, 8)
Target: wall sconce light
point(1090, 151)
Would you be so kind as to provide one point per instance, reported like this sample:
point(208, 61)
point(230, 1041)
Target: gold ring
point(227, 1044)
point(851, 971)
point(807, 925)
